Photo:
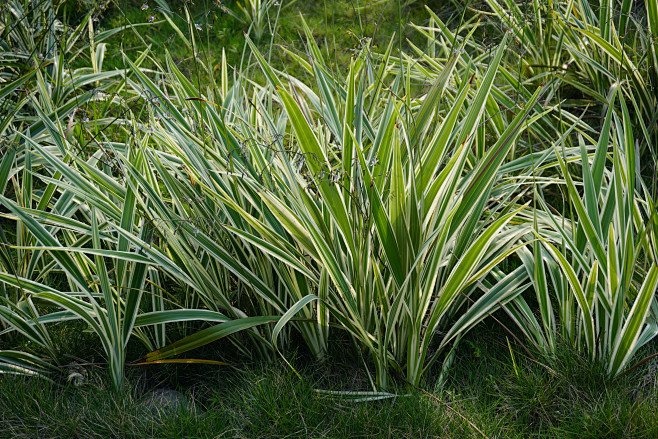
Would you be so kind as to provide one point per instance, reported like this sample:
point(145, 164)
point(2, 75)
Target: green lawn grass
point(490, 393)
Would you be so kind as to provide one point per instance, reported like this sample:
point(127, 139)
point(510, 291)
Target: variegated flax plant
point(400, 201)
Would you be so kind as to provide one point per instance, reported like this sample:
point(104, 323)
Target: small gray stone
point(160, 401)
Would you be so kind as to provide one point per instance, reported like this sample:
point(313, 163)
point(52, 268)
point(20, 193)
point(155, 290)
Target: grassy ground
point(490, 393)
